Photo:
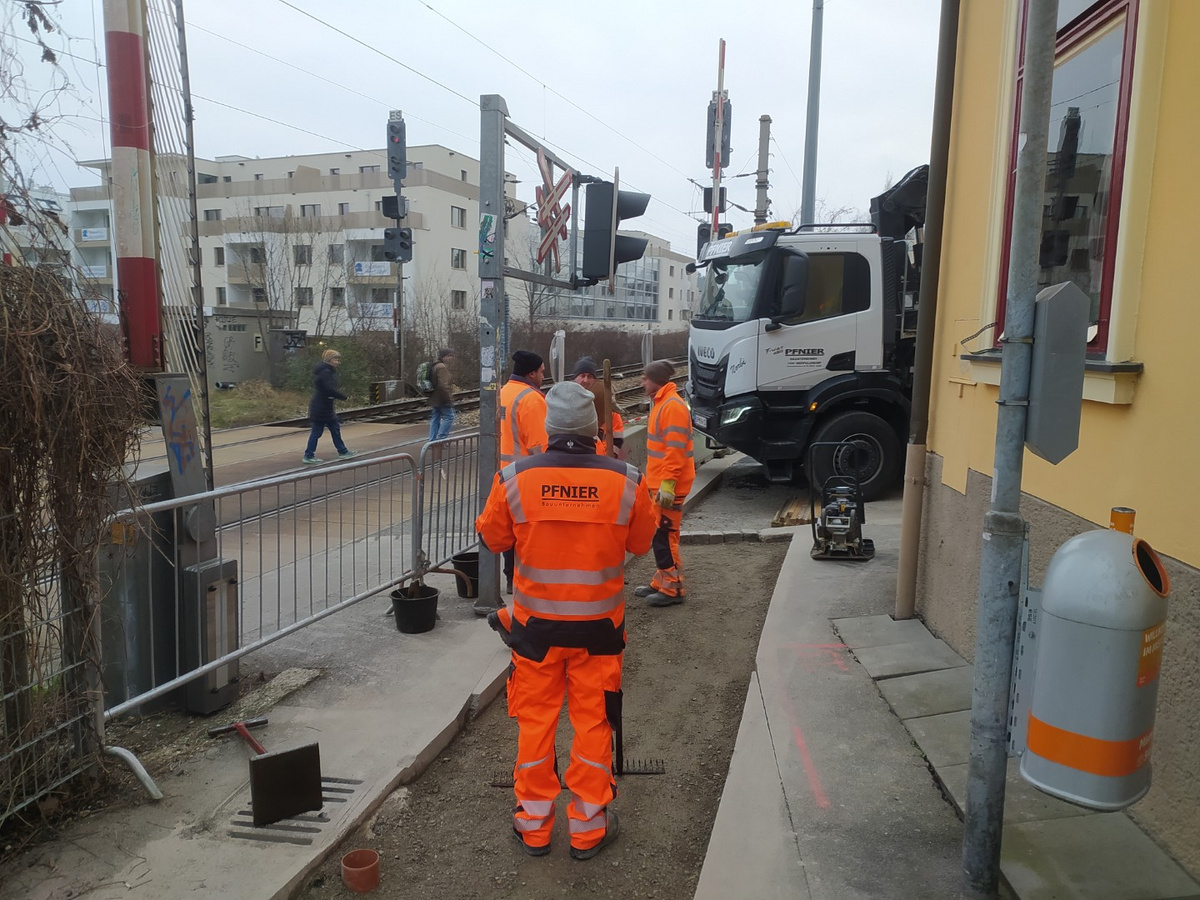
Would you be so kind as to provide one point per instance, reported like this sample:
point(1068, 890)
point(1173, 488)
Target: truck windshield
point(730, 290)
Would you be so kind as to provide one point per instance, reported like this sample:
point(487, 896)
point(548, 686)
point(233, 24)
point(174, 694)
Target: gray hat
point(585, 365)
point(570, 410)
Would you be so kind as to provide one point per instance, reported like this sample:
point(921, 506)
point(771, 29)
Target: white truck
point(805, 336)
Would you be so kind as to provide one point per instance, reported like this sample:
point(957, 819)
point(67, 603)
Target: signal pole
point(718, 139)
point(760, 181)
point(396, 244)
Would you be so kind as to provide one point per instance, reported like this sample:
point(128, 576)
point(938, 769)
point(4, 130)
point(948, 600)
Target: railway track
point(628, 391)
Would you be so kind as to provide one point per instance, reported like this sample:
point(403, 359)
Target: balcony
point(94, 237)
point(380, 273)
point(99, 274)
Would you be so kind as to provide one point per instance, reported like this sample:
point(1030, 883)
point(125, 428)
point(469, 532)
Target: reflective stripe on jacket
point(572, 515)
point(669, 442)
point(522, 420)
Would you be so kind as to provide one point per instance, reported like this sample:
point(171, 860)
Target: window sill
point(1103, 381)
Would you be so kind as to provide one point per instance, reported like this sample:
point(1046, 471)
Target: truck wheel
point(873, 457)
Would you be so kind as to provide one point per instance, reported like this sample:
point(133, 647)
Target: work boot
point(658, 598)
point(508, 585)
point(612, 829)
point(643, 590)
point(531, 850)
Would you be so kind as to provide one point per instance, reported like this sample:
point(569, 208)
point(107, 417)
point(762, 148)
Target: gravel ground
point(448, 834)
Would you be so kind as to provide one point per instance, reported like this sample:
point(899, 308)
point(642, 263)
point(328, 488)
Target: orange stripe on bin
point(1112, 759)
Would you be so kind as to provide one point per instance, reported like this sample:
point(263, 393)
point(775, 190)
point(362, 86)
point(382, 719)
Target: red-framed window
point(1089, 126)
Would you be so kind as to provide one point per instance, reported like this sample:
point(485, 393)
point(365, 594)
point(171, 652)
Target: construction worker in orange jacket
point(670, 471)
point(572, 516)
point(586, 374)
point(522, 424)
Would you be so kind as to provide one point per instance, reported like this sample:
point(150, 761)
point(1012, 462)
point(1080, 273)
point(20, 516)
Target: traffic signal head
point(600, 221)
point(393, 207)
point(398, 244)
point(704, 234)
point(397, 150)
point(708, 204)
point(710, 133)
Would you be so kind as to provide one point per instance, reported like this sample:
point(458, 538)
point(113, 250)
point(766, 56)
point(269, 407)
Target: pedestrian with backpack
point(320, 408)
point(441, 405)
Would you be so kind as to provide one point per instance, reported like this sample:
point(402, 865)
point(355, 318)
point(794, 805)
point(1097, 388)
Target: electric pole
point(808, 195)
point(762, 203)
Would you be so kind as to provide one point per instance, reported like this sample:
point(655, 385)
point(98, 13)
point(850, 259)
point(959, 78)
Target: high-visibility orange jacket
point(669, 442)
point(522, 419)
point(572, 515)
point(602, 444)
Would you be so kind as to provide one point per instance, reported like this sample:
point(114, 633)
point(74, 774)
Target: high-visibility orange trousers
point(668, 579)
point(535, 695)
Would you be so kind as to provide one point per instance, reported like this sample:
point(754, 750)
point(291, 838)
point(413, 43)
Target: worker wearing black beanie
point(525, 361)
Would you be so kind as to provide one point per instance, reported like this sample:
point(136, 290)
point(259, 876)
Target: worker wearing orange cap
point(670, 471)
point(572, 516)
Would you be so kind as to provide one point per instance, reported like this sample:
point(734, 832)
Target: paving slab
point(764, 843)
point(945, 740)
point(892, 660)
point(868, 818)
point(929, 693)
point(1087, 857)
point(1022, 801)
point(876, 631)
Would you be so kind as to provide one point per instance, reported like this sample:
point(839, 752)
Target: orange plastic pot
point(360, 870)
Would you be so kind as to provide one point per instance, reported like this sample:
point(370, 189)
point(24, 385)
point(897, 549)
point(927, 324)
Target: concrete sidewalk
point(855, 733)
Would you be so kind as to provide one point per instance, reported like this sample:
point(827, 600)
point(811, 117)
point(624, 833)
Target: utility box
point(1099, 650)
point(137, 605)
point(208, 630)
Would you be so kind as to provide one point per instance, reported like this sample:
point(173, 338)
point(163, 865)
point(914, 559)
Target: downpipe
point(136, 767)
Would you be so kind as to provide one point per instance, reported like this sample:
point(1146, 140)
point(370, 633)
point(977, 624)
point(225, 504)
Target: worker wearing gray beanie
point(570, 409)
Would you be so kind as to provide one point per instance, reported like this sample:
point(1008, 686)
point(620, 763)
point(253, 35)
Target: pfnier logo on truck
point(800, 357)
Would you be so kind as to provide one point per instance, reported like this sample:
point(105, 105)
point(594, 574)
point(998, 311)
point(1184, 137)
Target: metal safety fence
point(192, 585)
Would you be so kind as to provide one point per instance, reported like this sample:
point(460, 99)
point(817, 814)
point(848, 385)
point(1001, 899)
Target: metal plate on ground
point(302, 828)
point(285, 783)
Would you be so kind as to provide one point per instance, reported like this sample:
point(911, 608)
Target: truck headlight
point(734, 415)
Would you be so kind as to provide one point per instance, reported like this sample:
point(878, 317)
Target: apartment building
point(655, 292)
point(296, 243)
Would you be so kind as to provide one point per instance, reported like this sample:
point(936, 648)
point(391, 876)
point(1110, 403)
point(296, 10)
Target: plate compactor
point(837, 528)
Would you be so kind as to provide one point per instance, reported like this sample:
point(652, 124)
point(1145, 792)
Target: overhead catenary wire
point(373, 49)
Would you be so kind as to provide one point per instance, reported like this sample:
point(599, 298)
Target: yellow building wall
point(1144, 454)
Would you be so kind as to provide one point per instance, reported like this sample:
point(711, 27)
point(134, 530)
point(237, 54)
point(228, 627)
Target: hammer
point(243, 728)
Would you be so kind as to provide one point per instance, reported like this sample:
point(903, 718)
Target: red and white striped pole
point(717, 142)
point(132, 178)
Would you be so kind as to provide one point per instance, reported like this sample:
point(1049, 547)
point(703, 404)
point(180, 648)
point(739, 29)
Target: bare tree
point(291, 264)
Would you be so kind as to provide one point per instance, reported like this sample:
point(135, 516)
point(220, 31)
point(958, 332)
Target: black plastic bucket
point(415, 608)
point(468, 564)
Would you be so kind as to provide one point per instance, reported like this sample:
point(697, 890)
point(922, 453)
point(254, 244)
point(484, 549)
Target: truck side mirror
point(795, 287)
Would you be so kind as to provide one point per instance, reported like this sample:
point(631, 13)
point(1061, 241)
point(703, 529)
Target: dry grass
point(255, 402)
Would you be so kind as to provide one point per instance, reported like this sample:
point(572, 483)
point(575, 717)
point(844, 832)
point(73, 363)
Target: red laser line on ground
point(814, 782)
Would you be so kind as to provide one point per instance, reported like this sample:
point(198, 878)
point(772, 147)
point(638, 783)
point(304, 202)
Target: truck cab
point(805, 336)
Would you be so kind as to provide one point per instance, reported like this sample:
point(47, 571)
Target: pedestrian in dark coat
point(320, 408)
point(441, 403)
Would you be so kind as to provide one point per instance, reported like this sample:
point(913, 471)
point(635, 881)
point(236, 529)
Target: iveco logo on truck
point(706, 352)
point(804, 351)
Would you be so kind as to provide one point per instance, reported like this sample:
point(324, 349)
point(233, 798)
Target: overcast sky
point(636, 76)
